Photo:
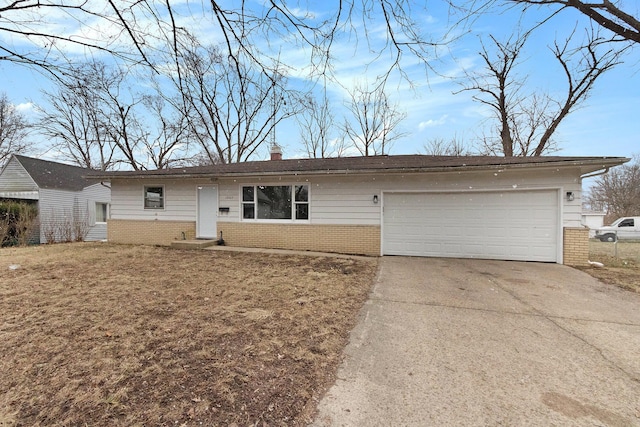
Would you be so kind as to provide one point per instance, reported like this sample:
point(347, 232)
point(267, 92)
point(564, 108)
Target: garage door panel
point(519, 225)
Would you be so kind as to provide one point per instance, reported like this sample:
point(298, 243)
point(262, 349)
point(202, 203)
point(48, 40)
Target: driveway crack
point(553, 319)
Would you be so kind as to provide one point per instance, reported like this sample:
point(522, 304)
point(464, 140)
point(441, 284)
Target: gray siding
point(58, 213)
point(61, 209)
point(14, 178)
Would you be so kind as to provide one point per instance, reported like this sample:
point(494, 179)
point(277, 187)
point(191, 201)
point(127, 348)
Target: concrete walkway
point(489, 343)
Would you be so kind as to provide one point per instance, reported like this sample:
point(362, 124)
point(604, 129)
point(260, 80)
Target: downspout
point(602, 172)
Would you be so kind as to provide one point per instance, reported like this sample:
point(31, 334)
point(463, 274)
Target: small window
point(302, 202)
point(248, 203)
point(102, 212)
point(153, 197)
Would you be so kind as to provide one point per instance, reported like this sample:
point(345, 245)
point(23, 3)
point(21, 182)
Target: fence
point(622, 249)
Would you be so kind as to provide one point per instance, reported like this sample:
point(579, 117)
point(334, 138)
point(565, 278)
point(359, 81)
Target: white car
point(626, 228)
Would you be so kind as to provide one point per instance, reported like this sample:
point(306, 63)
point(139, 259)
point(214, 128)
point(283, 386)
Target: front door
point(207, 212)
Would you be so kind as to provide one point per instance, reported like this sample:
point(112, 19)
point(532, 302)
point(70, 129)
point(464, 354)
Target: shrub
point(18, 223)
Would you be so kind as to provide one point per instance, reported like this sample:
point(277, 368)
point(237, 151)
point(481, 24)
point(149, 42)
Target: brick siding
point(149, 232)
point(576, 245)
point(346, 239)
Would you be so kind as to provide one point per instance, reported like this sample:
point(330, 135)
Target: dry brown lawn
point(621, 263)
point(105, 335)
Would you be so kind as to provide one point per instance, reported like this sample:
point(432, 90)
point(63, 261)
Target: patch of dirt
point(98, 334)
point(621, 263)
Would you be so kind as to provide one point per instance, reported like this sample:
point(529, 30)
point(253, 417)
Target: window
point(102, 212)
point(626, 223)
point(279, 202)
point(153, 197)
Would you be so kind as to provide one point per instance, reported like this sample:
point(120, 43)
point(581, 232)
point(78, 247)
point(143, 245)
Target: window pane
point(247, 194)
point(274, 202)
point(101, 212)
point(302, 211)
point(248, 211)
point(302, 193)
point(153, 197)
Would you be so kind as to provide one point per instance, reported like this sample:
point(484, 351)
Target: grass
point(97, 335)
point(621, 263)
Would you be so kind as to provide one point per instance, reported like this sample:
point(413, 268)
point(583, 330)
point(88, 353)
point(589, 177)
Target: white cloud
point(24, 107)
point(433, 123)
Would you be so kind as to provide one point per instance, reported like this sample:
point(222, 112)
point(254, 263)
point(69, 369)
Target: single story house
point(520, 208)
point(68, 203)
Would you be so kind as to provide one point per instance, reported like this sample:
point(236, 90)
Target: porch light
point(375, 198)
point(570, 196)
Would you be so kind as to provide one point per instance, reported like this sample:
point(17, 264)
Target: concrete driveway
point(450, 342)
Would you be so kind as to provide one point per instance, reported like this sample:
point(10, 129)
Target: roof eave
point(586, 165)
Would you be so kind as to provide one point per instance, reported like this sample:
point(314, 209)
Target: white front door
point(207, 212)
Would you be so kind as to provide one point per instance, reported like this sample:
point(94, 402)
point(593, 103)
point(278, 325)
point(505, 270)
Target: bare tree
point(443, 147)
point(74, 119)
point(231, 107)
point(46, 33)
point(167, 141)
point(14, 129)
point(526, 122)
point(606, 13)
point(317, 129)
point(95, 120)
point(374, 122)
point(617, 192)
point(624, 25)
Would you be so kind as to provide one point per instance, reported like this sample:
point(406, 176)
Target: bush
point(67, 226)
point(18, 223)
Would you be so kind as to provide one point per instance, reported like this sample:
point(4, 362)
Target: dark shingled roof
point(337, 165)
point(53, 175)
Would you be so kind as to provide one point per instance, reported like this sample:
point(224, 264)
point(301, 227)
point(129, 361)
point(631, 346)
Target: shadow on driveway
point(452, 342)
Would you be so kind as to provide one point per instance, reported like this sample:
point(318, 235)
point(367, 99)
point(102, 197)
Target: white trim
point(215, 214)
point(144, 197)
point(293, 220)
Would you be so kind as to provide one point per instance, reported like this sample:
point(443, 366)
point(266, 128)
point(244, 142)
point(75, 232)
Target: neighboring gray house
point(67, 202)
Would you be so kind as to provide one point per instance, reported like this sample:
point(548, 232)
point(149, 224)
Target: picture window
point(275, 202)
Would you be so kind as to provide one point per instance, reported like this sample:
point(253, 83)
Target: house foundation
point(345, 239)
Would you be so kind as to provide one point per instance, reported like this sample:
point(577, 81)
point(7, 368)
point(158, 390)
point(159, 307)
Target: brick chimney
point(276, 152)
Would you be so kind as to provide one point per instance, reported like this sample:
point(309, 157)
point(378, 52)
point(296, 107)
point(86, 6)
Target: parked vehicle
point(626, 228)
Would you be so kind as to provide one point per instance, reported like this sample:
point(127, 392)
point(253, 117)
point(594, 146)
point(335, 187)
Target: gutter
point(369, 171)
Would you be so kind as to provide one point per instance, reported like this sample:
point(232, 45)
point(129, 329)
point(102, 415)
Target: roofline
point(603, 163)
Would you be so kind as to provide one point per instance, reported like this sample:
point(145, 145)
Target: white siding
point(89, 196)
point(180, 200)
point(348, 199)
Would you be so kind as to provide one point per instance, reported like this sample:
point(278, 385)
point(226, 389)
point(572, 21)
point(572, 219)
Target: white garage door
point(512, 225)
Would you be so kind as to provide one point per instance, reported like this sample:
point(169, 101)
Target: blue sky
point(607, 124)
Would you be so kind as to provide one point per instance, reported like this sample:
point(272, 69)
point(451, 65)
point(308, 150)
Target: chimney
point(276, 152)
